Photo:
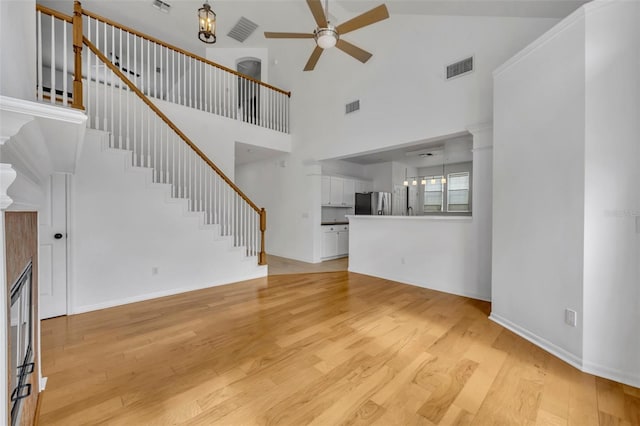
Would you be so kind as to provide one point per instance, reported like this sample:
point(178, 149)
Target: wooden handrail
point(54, 13)
point(179, 50)
point(168, 122)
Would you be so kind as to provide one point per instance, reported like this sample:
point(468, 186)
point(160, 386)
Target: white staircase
point(151, 214)
point(133, 240)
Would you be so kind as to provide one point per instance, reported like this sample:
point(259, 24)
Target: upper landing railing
point(160, 70)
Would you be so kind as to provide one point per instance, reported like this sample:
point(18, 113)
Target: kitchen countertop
point(344, 222)
point(425, 217)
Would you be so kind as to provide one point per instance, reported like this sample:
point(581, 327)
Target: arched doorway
point(248, 89)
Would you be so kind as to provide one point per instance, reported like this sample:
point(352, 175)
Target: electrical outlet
point(571, 317)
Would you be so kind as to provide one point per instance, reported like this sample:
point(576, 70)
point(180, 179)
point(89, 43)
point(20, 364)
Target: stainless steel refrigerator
point(373, 203)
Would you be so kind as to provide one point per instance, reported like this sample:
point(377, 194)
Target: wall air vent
point(242, 29)
point(352, 107)
point(161, 6)
point(462, 67)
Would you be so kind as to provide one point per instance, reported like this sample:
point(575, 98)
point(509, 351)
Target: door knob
point(57, 236)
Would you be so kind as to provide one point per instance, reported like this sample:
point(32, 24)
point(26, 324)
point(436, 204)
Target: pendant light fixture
point(406, 181)
point(207, 24)
point(444, 179)
point(423, 181)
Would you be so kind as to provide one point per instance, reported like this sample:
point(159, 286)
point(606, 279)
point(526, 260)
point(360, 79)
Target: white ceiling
point(179, 26)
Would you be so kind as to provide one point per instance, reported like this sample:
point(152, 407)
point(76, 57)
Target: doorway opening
point(249, 88)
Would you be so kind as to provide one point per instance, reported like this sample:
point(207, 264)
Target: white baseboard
point(396, 279)
point(577, 362)
point(611, 373)
point(542, 343)
point(260, 272)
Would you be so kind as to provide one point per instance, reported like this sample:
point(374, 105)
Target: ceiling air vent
point(462, 67)
point(242, 29)
point(352, 107)
point(161, 6)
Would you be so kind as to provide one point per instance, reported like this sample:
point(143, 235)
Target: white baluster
point(52, 92)
point(39, 57)
point(155, 70)
point(173, 76)
point(104, 90)
point(88, 52)
point(65, 46)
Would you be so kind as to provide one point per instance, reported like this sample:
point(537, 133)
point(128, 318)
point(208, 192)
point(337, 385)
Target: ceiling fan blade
point(371, 17)
point(318, 12)
point(313, 59)
point(348, 48)
point(288, 35)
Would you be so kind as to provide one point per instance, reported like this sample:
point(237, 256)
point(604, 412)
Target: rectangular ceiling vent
point(462, 67)
point(161, 6)
point(242, 29)
point(352, 107)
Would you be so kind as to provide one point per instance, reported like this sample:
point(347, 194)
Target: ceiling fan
point(327, 35)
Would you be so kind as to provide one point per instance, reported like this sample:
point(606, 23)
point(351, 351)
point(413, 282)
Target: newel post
point(77, 53)
point(262, 258)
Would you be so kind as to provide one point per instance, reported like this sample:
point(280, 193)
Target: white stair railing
point(166, 72)
point(116, 105)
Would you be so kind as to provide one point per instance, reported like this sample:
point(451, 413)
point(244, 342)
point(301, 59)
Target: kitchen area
point(418, 214)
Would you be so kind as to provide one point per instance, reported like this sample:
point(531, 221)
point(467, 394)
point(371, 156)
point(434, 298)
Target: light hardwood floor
point(282, 265)
point(323, 349)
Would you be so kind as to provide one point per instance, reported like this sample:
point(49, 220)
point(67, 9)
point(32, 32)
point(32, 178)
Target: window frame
point(449, 169)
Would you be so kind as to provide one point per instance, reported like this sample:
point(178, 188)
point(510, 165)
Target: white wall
point(289, 189)
point(216, 136)
point(343, 168)
point(538, 188)
point(381, 175)
point(18, 48)
point(229, 57)
point(403, 96)
point(121, 228)
point(430, 252)
point(568, 238)
point(612, 195)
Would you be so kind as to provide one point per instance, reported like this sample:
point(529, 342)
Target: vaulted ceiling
point(179, 26)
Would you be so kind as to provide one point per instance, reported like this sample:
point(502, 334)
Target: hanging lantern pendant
point(207, 24)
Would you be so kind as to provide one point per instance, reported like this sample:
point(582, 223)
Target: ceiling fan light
point(326, 38)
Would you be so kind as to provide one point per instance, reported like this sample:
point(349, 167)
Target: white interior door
point(53, 250)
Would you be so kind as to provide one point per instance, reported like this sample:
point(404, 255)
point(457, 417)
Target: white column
point(482, 204)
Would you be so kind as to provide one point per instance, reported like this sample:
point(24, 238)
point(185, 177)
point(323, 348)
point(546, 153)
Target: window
point(458, 192)
point(453, 196)
point(433, 194)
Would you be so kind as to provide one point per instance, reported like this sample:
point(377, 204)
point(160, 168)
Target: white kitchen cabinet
point(343, 240)
point(335, 241)
point(348, 192)
point(364, 186)
point(336, 196)
point(326, 190)
point(329, 242)
point(340, 191)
